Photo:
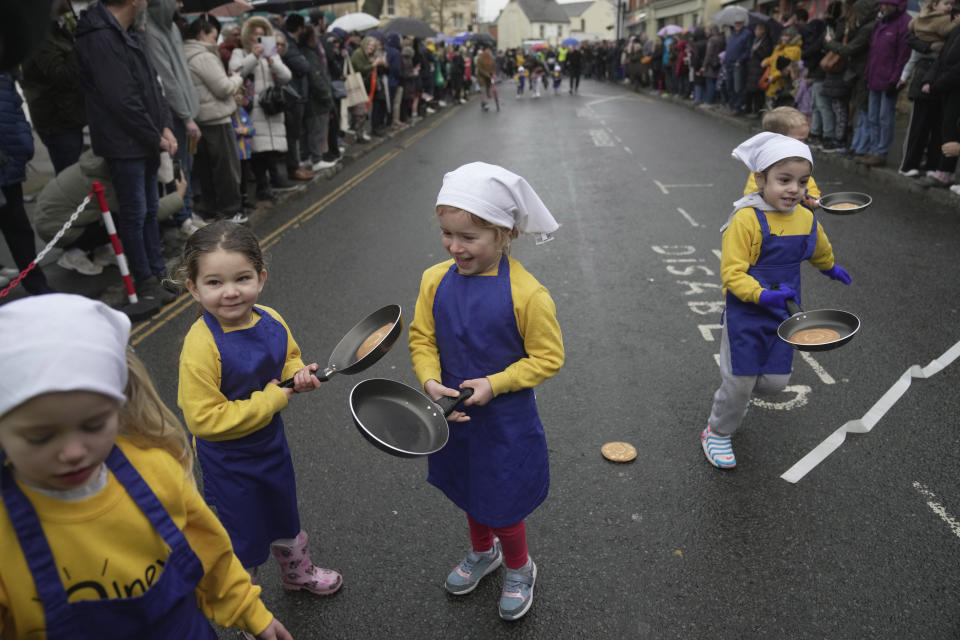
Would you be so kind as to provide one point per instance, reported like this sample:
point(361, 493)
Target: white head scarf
point(61, 342)
point(498, 196)
point(760, 153)
point(765, 149)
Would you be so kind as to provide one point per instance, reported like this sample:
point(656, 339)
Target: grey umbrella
point(410, 27)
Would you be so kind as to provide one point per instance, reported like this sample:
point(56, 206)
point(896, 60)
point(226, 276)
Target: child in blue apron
point(483, 322)
point(232, 359)
point(768, 236)
point(103, 531)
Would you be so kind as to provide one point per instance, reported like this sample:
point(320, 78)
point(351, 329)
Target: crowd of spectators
point(846, 70)
point(189, 121)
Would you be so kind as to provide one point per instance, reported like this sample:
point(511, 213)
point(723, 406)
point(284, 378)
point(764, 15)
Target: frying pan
point(844, 323)
point(344, 356)
point(401, 420)
point(862, 200)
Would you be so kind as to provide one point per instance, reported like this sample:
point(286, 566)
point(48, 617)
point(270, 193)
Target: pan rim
point(839, 196)
point(368, 433)
point(837, 342)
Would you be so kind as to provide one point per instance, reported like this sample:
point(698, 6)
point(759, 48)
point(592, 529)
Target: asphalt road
point(865, 546)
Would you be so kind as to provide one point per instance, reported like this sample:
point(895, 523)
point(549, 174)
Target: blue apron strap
point(146, 499)
point(36, 550)
point(762, 219)
point(811, 240)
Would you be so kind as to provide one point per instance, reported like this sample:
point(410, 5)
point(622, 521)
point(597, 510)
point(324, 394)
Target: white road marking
point(627, 149)
point(706, 330)
point(601, 138)
point(825, 377)
point(800, 392)
point(870, 419)
point(662, 188)
point(688, 186)
point(617, 138)
point(689, 218)
point(937, 508)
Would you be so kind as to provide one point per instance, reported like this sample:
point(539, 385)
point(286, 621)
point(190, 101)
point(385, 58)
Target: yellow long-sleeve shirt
point(106, 548)
point(536, 316)
point(206, 411)
point(812, 189)
point(740, 247)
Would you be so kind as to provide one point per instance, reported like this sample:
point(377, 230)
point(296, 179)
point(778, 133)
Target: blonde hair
point(782, 120)
point(504, 237)
point(148, 422)
point(246, 32)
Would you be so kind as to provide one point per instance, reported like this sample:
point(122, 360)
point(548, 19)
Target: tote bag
point(353, 83)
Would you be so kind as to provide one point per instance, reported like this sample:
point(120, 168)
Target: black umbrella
point(482, 38)
point(410, 27)
point(201, 6)
point(774, 28)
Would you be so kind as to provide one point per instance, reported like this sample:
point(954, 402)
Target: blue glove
point(777, 298)
point(836, 272)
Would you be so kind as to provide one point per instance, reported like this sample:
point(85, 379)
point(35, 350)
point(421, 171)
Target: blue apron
point(250, 480)
point(751, 328)
point(494, 467)
point(167, 609)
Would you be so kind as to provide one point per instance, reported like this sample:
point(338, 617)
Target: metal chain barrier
point(46, 249)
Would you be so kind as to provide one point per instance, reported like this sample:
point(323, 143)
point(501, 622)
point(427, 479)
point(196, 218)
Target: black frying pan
point(400, 420)
point(344, 356)
point(844, 323)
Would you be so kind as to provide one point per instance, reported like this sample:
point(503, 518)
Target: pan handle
point(322, 376)
point(792, 307)
point(449, 403)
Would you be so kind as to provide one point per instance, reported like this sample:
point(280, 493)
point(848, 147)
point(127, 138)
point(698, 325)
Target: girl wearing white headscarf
point(483, 322)
point(764, 242)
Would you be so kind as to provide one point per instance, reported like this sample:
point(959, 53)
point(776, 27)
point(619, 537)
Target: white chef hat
point(765, 149)
point(61, 342)
point(498, 196)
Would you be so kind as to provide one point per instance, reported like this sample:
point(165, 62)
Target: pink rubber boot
point(297, 572)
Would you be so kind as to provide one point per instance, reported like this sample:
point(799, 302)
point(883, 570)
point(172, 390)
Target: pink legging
point(513, 540)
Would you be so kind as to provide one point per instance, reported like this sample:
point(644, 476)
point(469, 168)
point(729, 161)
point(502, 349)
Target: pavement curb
point(889, 176)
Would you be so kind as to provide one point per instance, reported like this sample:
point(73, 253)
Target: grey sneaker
point(472, 569)
point(517, 596)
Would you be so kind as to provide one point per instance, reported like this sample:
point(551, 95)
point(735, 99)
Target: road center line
point(937, 508)
point(693, 223)
point(662, 188)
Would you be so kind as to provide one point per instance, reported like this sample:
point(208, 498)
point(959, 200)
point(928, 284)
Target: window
point(559, 30)
point(583, 24)
point(542, 32)
point(458, 21)
point(391, 8)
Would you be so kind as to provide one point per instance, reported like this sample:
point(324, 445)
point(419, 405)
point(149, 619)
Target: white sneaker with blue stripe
point(718, 449)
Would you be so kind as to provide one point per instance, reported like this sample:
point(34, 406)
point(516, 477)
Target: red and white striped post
point(98, 191)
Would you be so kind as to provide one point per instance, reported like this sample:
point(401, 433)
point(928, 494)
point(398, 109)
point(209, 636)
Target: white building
point(532, 20)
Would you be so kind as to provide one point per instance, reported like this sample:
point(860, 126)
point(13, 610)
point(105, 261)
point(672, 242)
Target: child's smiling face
point(58, 441)
point(474, 248)
point(227, 286)
point(784, 184)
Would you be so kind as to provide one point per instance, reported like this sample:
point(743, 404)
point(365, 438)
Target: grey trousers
point(731, 400)
point(317, 135)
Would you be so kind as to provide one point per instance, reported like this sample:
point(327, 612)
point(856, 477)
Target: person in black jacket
point(295, 27)
point(51, 85)
point(943, 80)
point(16, 149)
point(130, 124)
point(574, 68)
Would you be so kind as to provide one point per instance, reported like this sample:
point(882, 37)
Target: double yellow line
point(142, 331)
